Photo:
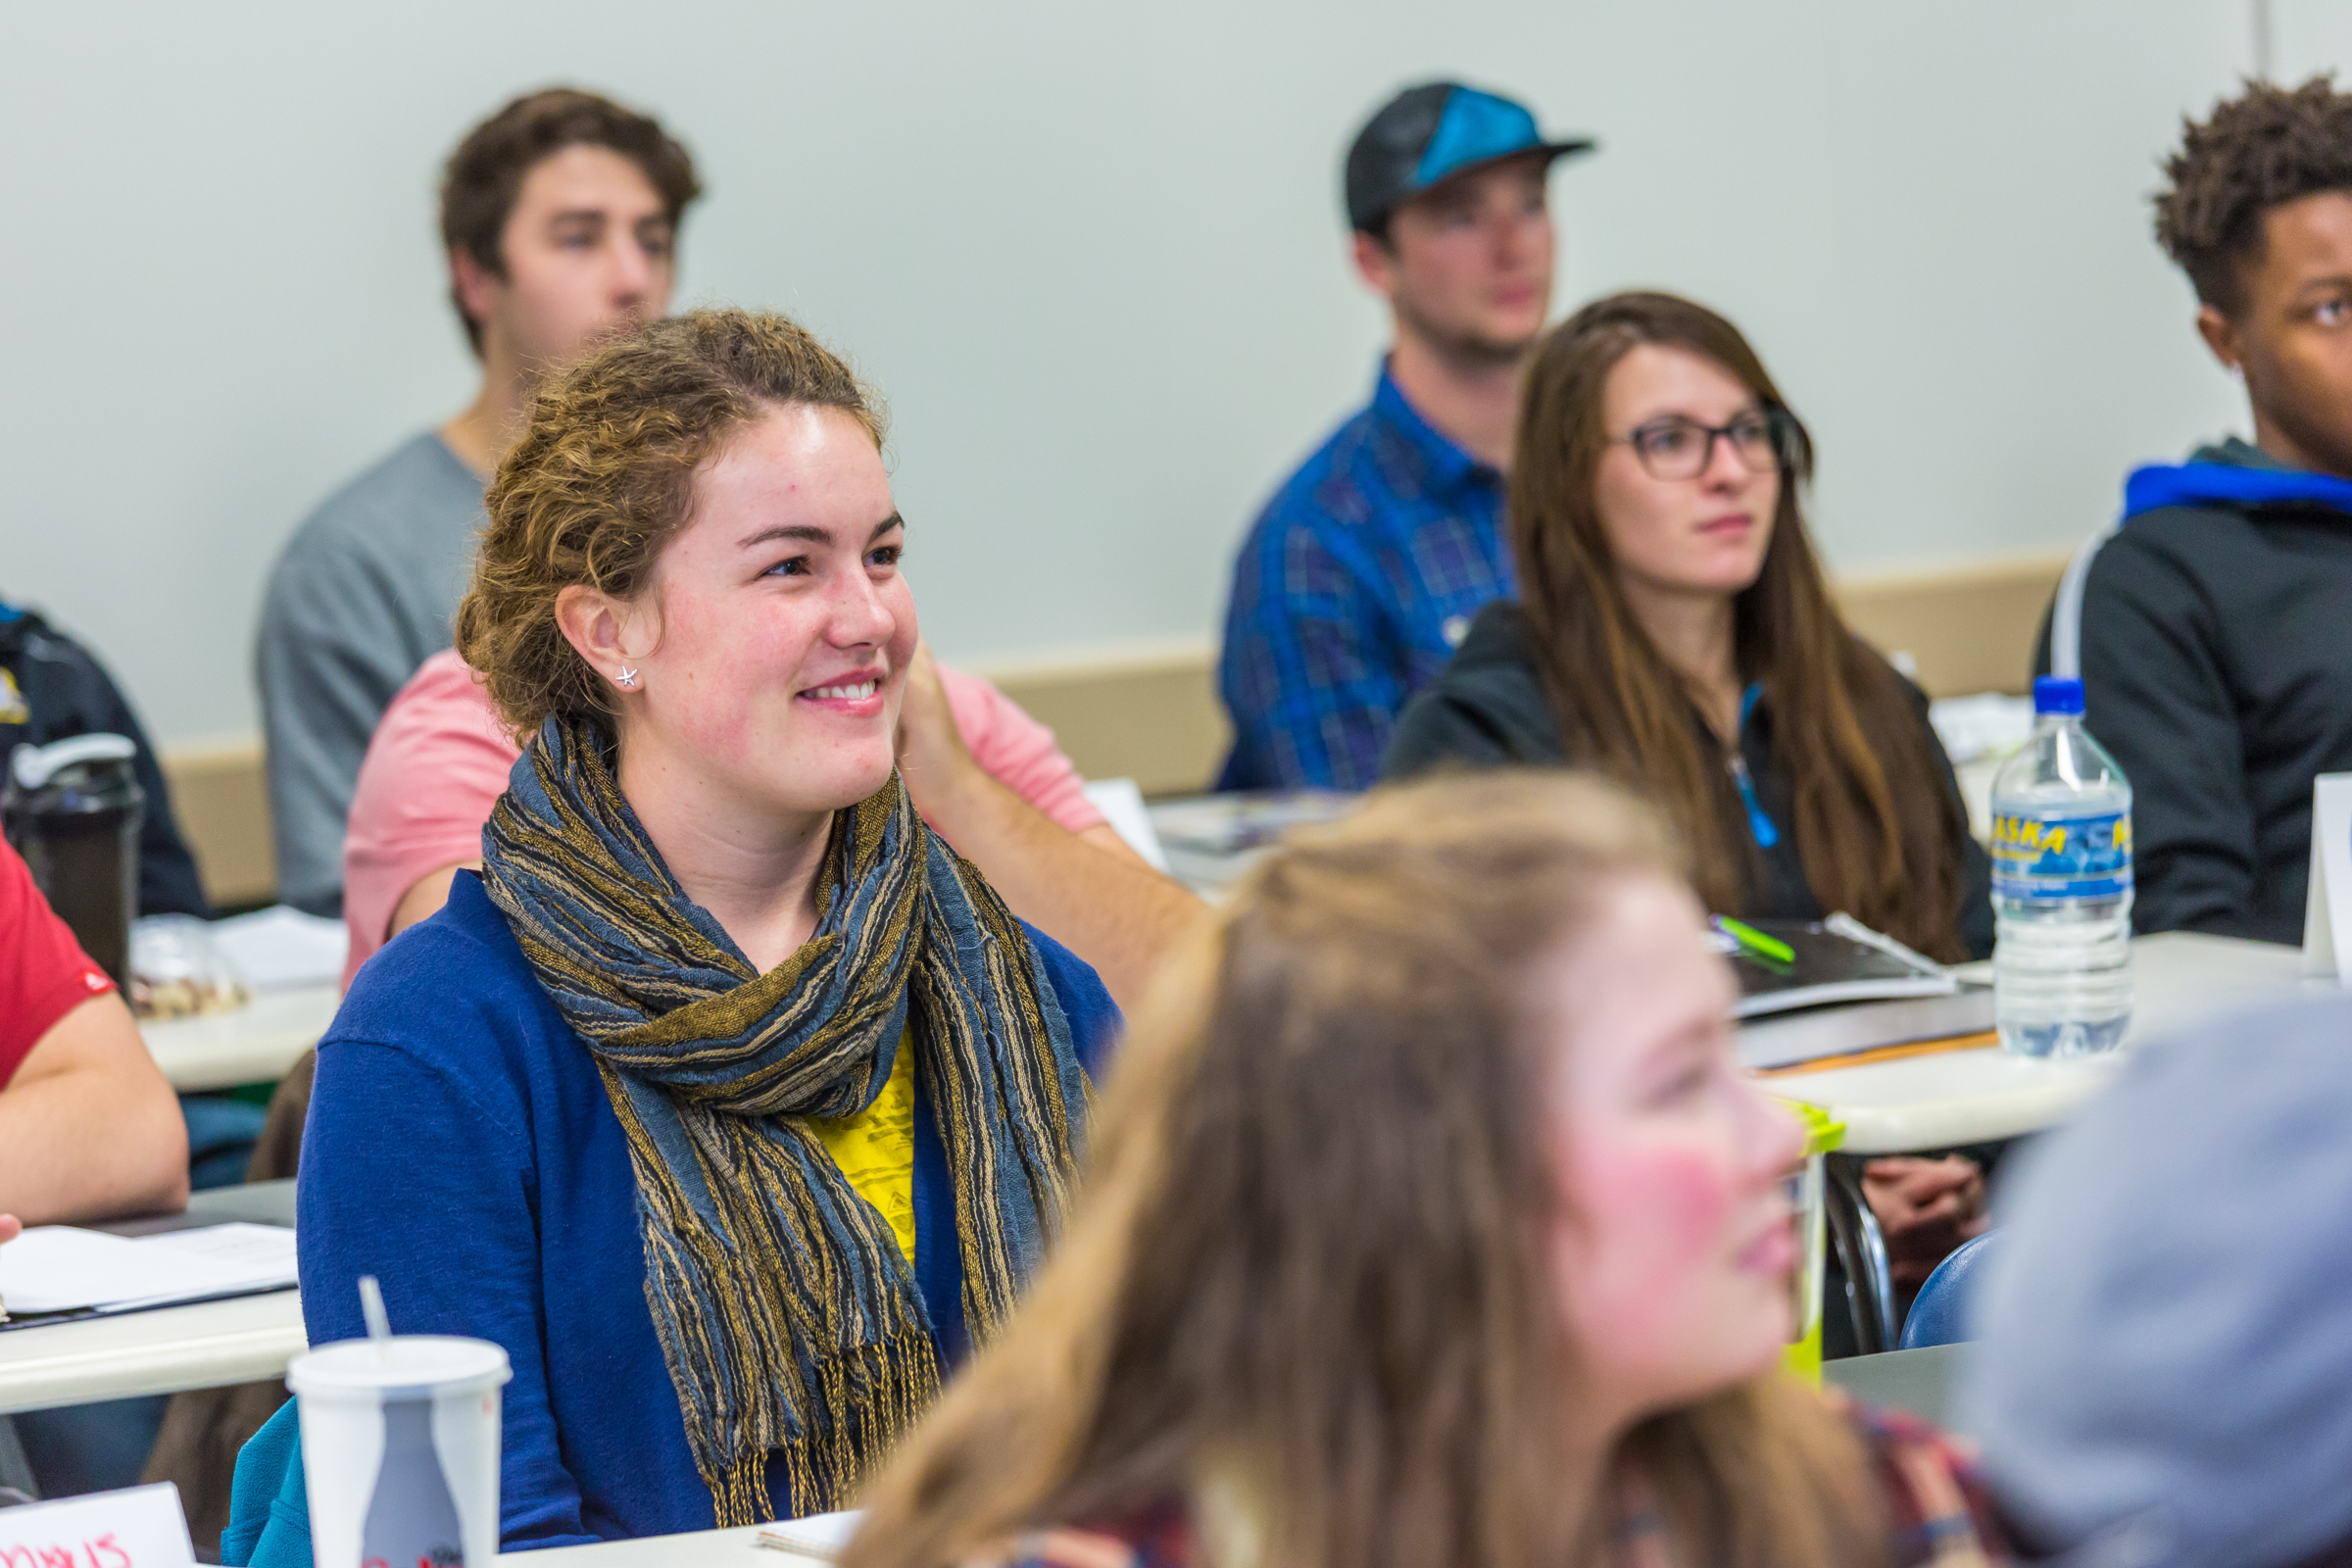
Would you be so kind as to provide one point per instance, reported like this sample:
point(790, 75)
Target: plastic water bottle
point(2061, 886)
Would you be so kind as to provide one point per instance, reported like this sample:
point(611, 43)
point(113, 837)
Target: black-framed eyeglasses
point(1679, 447)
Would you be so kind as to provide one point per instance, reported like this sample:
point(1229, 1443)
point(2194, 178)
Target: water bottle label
point(2051, 858)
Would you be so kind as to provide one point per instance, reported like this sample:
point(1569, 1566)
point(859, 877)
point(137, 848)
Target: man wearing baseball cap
point(1364, 570)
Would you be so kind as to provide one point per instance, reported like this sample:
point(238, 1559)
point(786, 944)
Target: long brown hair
point(1305, 1265)
point(1876, 823)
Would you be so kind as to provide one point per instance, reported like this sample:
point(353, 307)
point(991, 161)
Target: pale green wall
point(1089, 250)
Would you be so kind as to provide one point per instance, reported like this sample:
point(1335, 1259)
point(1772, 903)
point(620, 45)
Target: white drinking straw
point(371, 1307)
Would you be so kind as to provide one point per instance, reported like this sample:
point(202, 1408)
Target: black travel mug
point(72, 809)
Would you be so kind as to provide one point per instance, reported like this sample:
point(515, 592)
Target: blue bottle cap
point(2057, 694)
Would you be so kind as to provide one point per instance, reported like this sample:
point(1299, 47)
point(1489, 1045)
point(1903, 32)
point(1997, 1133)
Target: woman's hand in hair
point(1925, 1207)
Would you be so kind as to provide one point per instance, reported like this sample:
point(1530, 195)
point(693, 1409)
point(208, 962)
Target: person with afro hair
point(2209, 627)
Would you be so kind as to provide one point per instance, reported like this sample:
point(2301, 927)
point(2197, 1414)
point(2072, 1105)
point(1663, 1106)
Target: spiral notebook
point(1832, 960)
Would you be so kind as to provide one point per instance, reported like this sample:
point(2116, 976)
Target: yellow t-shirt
point(875, 1148)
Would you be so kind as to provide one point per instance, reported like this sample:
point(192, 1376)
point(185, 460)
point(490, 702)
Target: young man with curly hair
point(560, 217)
point(2210, 625)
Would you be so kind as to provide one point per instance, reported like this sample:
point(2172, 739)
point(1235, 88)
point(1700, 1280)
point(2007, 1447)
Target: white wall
point(1090, 250)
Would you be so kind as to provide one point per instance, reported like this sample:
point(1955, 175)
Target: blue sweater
point(461, 1149)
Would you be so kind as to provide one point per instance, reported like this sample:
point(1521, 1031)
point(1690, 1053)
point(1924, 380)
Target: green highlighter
point(1754, 941)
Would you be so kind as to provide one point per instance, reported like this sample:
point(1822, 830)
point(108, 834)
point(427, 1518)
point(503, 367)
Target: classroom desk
point(705, 1549)
point(256, 1044)
point(1985, 1095)
point(1982, 1096)
point(168, 1348)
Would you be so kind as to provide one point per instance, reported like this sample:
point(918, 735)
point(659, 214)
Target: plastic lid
point(1822, 1130)
point(2057, 694)
point(36, 766)
point(410, 1366)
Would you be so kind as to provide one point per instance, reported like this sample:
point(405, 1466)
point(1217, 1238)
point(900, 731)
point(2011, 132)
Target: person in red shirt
point(88, 1125)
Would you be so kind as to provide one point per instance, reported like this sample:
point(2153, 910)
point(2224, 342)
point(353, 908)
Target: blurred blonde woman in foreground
point(1432, 1224)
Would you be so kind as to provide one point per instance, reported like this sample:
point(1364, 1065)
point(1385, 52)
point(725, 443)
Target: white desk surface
point(705, 1549)
point(738, 1547)
point(256, 1044)
point(167, 1350)
point(1968, 1097)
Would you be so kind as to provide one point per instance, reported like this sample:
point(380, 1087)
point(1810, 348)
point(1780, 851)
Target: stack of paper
point(281, 947)
point(818, 1537)
point(1121, 803)
point(58, 1268)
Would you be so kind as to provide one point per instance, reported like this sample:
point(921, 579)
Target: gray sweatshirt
point(362, 596)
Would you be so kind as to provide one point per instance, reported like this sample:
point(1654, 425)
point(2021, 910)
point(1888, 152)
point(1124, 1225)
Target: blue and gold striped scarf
point(788, 1317)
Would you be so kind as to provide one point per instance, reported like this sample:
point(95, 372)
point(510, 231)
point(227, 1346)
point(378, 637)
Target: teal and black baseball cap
point(1430, 132)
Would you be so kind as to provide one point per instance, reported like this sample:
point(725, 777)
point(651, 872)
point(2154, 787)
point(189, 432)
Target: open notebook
point(1832, 960)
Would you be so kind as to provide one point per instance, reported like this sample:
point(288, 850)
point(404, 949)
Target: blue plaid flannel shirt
point(1350, 591)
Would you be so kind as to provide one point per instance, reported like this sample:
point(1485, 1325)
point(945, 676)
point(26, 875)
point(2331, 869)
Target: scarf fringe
point(890, 1385)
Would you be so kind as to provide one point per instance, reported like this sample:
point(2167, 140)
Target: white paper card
point(1121, 803)
point(139, 1528)
point(2328, 905)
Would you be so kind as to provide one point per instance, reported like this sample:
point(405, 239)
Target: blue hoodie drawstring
point(1758, 824)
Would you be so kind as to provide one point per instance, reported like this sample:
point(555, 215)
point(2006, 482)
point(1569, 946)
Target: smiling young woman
point(1432, 1224)
point(726, 1098)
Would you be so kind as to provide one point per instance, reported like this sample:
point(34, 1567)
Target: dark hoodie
point(2212, 633)
point(1487, 708)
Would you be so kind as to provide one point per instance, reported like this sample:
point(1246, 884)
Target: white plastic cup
point(400, 1450)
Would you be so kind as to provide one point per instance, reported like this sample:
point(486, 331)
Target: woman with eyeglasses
point(1674, 631)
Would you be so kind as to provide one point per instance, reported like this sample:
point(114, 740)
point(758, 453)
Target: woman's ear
point(613, 635)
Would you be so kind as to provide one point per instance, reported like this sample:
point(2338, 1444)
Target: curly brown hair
point(484, 176)
point(2263, 148)
point(604, 475)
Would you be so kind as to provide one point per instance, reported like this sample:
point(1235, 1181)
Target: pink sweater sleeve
point(1017, 751)
point(437, 762)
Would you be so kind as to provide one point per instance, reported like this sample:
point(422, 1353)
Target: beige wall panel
point(222, 804)
point(1151, 715)
point(1970, 629)
point(1151, 712)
